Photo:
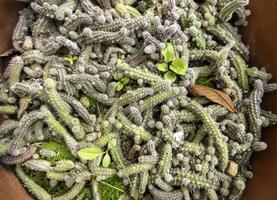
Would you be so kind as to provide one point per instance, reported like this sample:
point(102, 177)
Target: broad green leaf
point(163, 67)
point(124, 80)
point(106, 160)
point(89, 153)
point(168, 53)
point(119, 86)
point(112, 143)
point(170, 76)
point(179, 66)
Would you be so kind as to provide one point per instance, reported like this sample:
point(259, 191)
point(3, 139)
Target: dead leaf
point(214, 95)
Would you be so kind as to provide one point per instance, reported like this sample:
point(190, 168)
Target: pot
point(260, 34)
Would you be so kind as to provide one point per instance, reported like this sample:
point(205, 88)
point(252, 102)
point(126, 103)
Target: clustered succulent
point(96, 99)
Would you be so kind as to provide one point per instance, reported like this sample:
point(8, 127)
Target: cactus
point(227, 11)
point(18, 159)
point(72, 193)
point(241, 69)
point(37, 165)
point(134, 169)
point(213, 129)
point(99, 94)
point(35, 189)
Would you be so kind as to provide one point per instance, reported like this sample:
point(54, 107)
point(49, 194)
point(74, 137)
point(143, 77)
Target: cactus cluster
point(97, 101)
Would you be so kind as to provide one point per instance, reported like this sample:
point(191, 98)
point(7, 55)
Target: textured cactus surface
point(98, 103)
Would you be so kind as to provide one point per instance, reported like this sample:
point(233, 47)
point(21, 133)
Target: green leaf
point(119, 61)
point(179, 66)
point(170, 76)
point(124, 80)
point(117, 76)
point(168, 53)
point(119, 86)
point(112, 143)
point(89, 153)
point(163, 67)
point(106, 160)
point(70, 59)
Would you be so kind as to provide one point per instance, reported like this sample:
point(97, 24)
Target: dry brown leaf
point(214, 95)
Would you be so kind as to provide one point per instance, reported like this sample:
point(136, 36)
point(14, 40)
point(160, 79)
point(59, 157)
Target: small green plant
point(70, 59)
point(172, 66)
point(93, 85)
point(92, 153)
point(119, 77)
point(121, 81)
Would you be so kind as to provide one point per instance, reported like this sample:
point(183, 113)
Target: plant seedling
point(172, 67)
